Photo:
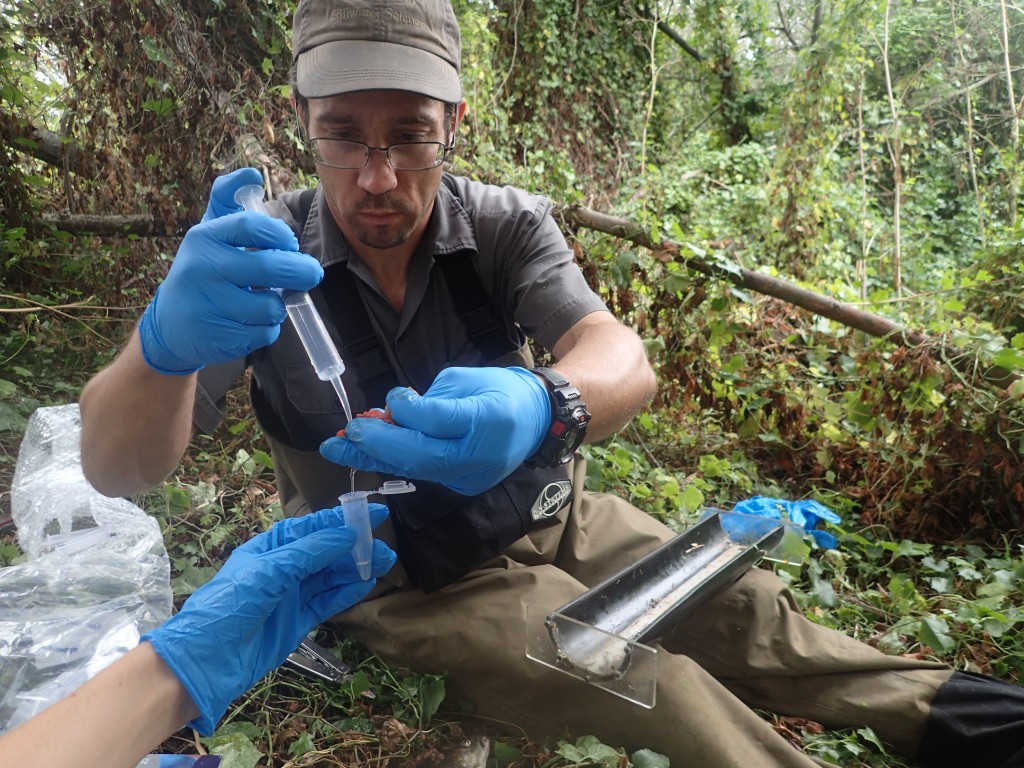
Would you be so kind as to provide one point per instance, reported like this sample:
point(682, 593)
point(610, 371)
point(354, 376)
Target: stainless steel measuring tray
point(599, 636)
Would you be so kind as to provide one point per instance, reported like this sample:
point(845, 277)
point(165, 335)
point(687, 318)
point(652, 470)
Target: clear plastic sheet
point(96, 575)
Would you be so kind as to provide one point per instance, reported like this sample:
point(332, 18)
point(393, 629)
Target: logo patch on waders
point(552, 498)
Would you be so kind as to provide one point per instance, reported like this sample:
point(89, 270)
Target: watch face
point(573, 437)
point(568, 438)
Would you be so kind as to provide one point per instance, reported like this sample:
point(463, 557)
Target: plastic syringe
point(304, 316)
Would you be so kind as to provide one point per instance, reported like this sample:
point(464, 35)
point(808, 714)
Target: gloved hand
point(270, 593)
point(467, 432)
point(807, 513)
point(205, 312)
point(222, 195)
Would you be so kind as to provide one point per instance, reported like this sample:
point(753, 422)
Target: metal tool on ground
point(313, 660)
point(309, 326)
point(601, 636)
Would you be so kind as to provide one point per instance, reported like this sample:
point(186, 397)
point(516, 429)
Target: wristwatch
point(568, 423)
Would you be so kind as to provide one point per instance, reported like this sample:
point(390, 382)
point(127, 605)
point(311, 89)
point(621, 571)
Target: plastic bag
point(96, 577)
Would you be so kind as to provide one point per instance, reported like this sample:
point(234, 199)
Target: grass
point(958, 602)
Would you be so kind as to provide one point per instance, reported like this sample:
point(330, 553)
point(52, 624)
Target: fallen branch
point(143, 225)
point(825, 306)
point(50, 147)
point(580, 216)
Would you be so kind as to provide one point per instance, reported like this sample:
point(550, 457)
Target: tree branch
point(825, 306)
point(576, 216)
point(143, 225)
point(50, 147)
point(672, 34)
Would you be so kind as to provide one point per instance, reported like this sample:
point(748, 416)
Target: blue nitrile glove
point(467, 432)
point(204, 312)
point(807, 513)
point(270, 593)
point(222, 195)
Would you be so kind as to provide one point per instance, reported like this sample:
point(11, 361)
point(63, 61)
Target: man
point(429, 285)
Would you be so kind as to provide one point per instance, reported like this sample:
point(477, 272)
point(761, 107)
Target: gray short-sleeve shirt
point(520, 255)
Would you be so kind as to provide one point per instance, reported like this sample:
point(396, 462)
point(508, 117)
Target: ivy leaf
point(1010, 359)
point(825, 593)
point(192, 577)
point(646, 758)
point(588, 751)
point(693, 499)
point(263, 459)
point(10, 419)
point(233, 742)
point(432, 695)
point(506, 754)
point(159, 107)
point(934, 632)
point(302, 745)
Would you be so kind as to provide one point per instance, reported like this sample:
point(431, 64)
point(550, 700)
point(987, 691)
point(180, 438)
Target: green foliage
point(234, 743)
point(768, 143)
point(960, 603)
point(585, 751)
point(857, 748)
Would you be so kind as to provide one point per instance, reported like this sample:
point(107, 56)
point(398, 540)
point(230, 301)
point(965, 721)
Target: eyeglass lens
point(416, 156)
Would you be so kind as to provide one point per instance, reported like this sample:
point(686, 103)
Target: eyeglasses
point(413, 156)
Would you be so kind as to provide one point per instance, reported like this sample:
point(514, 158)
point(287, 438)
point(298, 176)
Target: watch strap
point(569, 419)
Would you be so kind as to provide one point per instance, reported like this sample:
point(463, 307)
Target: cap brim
point(360, 65)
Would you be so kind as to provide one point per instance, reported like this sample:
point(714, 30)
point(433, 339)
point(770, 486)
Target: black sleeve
point(211, 392)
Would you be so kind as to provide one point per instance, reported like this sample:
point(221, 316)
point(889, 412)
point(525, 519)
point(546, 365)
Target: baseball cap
point(340, 46)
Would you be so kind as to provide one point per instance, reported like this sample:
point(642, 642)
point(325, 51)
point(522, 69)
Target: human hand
point(222, 195)
point(467, 432)
point(205, 311)
point(268, 595)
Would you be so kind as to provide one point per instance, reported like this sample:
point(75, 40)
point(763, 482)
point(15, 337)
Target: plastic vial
point(357, 517)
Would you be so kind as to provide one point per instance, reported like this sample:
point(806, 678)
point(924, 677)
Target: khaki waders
point(748, 647)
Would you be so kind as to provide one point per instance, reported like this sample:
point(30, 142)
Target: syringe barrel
point(313, 334)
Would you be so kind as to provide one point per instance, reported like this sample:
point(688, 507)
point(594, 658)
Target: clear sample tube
point(250, 197)
point(356, 511)
point(357, 517)
point(304, 316)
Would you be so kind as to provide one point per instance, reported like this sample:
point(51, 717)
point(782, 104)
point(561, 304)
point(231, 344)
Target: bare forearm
point(113, 720)
point(136, 424)
point(607, 362)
